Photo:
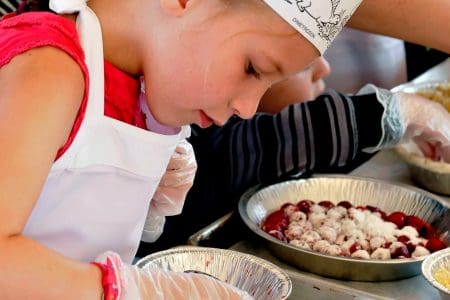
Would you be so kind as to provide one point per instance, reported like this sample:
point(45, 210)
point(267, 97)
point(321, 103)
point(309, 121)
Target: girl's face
point(212, 67)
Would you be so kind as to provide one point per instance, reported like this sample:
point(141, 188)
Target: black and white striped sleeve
point(316, 136)
point(7, 6)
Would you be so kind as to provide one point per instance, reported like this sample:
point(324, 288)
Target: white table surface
point(387, 166)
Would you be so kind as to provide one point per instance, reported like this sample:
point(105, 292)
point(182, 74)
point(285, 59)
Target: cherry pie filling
point(364, 232)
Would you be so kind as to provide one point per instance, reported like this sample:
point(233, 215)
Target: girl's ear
point(174, 7)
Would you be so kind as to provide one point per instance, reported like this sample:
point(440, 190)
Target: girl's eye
point(251, 71)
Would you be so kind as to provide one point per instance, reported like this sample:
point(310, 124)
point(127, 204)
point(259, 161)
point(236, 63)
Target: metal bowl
point(434, 176)
point(429, 174)
point(257, 203)
point(430, 266)
point(260, 278)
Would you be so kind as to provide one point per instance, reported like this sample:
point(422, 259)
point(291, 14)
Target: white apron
point(97, 194)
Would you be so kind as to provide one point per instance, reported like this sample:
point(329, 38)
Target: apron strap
point(90, 33)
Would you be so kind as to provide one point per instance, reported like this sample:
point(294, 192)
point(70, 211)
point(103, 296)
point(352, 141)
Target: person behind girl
point(8, 6)
point(303, 86)
point(78, 183)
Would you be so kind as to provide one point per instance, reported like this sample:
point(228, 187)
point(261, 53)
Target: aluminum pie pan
point(260, 278)
point(433, 176)
point(431, 264)
point(257, 203)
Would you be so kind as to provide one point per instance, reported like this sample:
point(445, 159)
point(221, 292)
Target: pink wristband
point(109, 280)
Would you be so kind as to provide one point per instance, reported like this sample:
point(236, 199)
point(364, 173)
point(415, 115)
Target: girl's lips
point(205, 121)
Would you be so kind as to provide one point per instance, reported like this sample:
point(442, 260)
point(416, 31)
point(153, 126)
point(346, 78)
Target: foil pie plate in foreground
point(260, 278)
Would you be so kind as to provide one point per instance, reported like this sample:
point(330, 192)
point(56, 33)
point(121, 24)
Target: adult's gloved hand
point(427, 125)
point(170, 194)
point(410, 118)
point(128, 282)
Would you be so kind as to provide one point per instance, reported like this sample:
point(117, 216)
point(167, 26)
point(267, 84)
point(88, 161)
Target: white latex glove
point(427, 125)
point(134, 283)
point(410, 118)
point(170, 194)
point(153, 227)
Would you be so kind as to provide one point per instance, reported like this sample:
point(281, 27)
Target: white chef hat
point(319, 21)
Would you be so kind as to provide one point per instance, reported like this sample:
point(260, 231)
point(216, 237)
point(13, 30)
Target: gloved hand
point(134, 283)
point(170, 194)
point(427, 125)
point(410, 118)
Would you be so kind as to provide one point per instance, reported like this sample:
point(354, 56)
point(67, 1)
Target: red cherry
point(398, 218)
point(383, 215)
point(375, 209)
point(428, 231)
point(305, 205)
point(372, 208)
point(387, 245)
point(289, 206)
point(286, 205)
point(403, 239)
point(415, 222)
point(411, 247)
point(401, 251)
point(276, 221)
point(434, 244)
point(361, 207)
point(345, 204)
point(354, 248)
point(278, 234)
point(326, 203)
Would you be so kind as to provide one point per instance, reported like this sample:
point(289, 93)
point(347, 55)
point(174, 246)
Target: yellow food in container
point(442, 276)
point(440, 94)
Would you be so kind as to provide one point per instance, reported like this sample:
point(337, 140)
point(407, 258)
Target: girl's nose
point(245, 106)
point(320, 69)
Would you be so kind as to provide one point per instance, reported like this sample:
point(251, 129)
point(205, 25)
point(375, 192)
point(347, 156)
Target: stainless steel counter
point(387, 166)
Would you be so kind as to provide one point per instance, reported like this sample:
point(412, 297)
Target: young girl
point(88, 177)
point(77, 182)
